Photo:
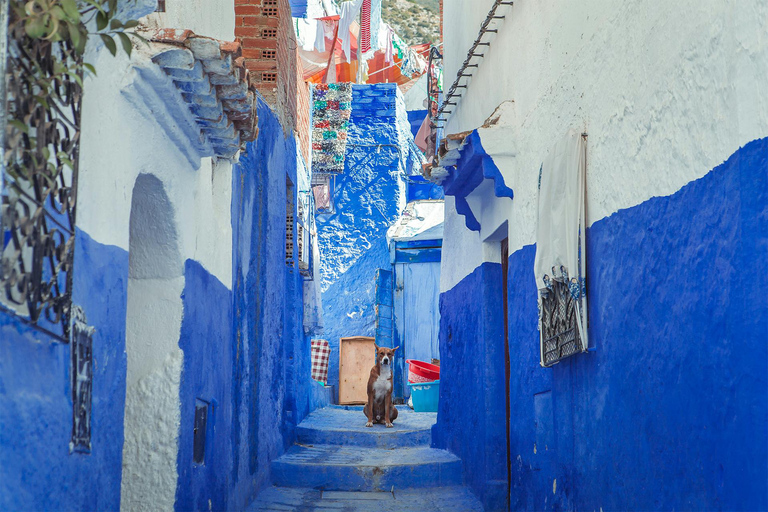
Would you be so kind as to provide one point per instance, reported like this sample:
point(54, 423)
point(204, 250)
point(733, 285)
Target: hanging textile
point(331, 108)
point(389, 49)
point(560, 264)
point(365, 27)
point(375, 24)
point(321, 354)
point(348, 11)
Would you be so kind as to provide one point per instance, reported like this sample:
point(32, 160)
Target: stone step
point(436, 499)
point(355, 468)
point(346, 426)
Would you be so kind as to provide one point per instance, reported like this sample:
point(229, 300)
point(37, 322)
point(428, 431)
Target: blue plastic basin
point(425, 395)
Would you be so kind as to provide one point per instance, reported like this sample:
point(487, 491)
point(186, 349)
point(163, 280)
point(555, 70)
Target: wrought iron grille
point(82, 381)
point(559, 326)
point(42, 104)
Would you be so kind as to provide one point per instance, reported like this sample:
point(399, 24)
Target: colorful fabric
point(321, 354)
point(331, 108)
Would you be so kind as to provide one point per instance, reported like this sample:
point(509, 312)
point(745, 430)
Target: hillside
point(416, 21)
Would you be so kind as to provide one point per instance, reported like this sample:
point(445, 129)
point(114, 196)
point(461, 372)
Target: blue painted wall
point(271, 386)
point(367, 197)
point(37, 472)
point(207, 341)
point(671, 410)
point(471, 413)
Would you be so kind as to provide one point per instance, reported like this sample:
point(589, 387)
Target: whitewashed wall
point(666, 91)
point(127, 132)
point(211, 18)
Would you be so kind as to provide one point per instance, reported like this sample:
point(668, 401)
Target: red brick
point(247, 9)
point(244, 32)
point(251, 53)
point(250, 42)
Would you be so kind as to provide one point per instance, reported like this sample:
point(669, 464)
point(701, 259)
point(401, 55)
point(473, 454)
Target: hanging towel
point(365, 27)
point(348, 12)
point(560, 264)
point(321, 354)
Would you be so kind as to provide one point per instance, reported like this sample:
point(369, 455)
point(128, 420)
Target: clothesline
point(395, 64)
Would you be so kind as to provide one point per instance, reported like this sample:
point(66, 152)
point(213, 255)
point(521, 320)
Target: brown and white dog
point(379, 407)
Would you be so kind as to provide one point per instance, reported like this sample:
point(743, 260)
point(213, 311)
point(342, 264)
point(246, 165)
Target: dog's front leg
point(369, 410)
point(387, 408)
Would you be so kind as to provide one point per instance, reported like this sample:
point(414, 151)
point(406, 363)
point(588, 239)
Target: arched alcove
point(153, 323)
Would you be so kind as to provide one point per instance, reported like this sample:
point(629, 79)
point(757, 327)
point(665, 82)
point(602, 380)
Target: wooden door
point(357, 356)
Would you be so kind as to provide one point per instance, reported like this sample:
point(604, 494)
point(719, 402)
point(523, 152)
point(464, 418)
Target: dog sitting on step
point(379, 408)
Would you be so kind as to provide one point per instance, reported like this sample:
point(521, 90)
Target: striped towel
point(365, 27)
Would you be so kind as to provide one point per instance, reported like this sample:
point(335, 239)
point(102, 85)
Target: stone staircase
point(339, 464)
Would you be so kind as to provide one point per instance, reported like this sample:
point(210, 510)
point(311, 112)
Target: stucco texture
point(368, 197)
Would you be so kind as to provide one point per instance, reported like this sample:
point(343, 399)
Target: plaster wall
point(666, 92)
point(212, 18)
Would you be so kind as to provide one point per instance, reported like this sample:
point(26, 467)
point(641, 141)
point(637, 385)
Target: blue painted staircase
point(339, 464)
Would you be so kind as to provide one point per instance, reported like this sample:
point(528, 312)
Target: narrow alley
point(383, 255)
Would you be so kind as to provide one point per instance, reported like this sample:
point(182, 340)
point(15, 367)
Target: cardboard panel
point(357, 356)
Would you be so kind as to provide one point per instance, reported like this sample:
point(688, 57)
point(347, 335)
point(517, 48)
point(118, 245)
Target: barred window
point(322, 190)
point(289, 221)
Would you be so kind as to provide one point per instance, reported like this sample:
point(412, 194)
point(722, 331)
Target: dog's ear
point(376, 347)
point(397, 347)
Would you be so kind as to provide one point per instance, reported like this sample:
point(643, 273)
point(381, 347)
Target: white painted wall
point(666, 91)
point(128, 129)
point(211, 18)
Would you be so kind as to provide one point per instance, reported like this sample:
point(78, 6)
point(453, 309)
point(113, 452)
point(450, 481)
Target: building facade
point(670, 102)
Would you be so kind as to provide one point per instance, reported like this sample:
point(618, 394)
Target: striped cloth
point(321, 353)
point(365, 27)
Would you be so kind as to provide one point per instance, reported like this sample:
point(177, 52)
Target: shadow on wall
point(153, 323)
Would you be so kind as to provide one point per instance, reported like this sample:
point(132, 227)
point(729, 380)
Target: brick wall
point(265, 29)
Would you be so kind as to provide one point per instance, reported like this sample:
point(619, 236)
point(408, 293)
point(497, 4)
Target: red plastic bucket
point(419, 371)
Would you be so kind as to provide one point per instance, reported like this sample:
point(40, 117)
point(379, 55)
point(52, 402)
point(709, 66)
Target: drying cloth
point(389, 49)
point(313, 304)
point(321, 354)
point(348, 11)
point(560, 264)
point(365, 27)
point(375, 24)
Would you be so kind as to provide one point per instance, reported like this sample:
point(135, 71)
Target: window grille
point(39, 182)
point(269, 54)
point(560, 332)
point(289, 222)
point(269, 77)
point(269, 33)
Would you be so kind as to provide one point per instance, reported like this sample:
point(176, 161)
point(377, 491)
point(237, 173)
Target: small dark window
point(322, 189)
point(160, 6)
point(201, 424)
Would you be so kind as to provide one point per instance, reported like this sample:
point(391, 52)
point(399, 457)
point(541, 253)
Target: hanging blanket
point(560, 263)
point(331, 108)
point(321, 353)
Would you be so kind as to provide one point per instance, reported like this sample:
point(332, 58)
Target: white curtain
point(560, 243)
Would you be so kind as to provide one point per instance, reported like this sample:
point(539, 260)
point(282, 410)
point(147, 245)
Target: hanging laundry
point(389, 56)
point(375, 25)
point(348, 11)
point(365, 27)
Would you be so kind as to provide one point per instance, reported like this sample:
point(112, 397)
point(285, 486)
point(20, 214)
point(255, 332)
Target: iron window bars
point(39, 181)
